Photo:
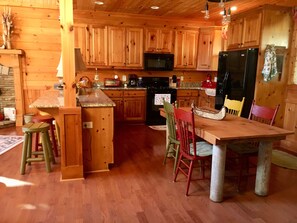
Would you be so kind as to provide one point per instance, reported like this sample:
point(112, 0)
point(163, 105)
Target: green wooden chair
point(172, 148)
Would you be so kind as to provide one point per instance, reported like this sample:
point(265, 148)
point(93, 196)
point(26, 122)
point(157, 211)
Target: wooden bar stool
point(47, 119)
point(27, 154)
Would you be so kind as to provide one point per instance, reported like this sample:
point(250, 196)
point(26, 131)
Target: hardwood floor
point(137, 189)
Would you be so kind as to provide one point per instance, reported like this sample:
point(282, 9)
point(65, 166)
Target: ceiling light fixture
point(222, 4)
point(154, 7)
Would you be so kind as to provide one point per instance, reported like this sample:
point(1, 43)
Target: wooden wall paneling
point(70, 123)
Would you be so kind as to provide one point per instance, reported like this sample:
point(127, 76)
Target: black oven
point(158, 61)
point(157, 90)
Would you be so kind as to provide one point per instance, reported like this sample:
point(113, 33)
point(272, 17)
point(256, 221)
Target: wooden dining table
point(234, 129)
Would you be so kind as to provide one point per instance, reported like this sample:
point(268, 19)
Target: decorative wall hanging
point(6, 28)
point(270, 67)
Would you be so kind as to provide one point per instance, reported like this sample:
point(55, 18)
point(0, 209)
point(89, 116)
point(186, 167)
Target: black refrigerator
point(236, 77)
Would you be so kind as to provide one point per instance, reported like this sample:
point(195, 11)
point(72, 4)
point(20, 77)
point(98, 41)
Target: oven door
point(155, 102)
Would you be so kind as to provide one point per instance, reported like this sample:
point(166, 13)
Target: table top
point(234, 129)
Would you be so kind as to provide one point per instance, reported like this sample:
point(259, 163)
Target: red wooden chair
point(190, 149)
point(244, 151)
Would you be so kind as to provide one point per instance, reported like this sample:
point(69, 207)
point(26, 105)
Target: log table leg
point(263, 168)
point(217, 172)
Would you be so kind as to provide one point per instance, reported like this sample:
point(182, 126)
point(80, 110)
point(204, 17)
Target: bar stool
point(47, 119)
point(45, 155)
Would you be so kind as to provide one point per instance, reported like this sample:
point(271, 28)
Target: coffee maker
point(132, 80)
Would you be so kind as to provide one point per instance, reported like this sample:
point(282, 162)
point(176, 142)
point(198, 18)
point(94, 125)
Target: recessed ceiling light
point(99, 3)
point(155, 7)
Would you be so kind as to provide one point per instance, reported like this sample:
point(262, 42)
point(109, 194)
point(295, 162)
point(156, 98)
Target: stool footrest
point(35, 159)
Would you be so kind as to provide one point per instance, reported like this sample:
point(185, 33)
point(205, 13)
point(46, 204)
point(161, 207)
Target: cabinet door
point(98, 52)
point(205, 46)
point(82, 41)
point(118, 109)
point(290, 123)
point(134, 109)
point(205, 100)
point(186, 49)
point(235, 32)
point(134, 47)
point(116, 37)
point(158, 40)
point(251, 30)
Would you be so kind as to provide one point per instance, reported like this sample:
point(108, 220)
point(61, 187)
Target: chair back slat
point(170, 122)
point(185, 128)
point(263, 114)
point(234, 107)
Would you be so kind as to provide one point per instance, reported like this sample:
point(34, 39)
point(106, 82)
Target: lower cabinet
point(186, 97)
point(130, 104)
point(206, 100)
point(98, 151)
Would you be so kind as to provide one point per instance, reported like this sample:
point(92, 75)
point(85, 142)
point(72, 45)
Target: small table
point(234, 129)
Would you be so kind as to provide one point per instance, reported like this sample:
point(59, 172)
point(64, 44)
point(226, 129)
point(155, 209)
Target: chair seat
point(243, 148)
point(202, 149)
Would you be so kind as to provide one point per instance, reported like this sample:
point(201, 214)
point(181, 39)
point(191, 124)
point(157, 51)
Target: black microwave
point(158, 61)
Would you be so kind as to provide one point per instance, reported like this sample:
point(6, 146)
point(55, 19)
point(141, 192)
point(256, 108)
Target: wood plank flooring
point(137, 189)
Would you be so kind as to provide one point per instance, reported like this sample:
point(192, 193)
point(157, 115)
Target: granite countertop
point(50, 99)
point(95, 98)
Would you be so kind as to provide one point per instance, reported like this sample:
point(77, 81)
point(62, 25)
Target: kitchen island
point(90, 147)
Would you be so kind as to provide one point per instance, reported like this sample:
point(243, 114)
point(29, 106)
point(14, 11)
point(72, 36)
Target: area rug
point(7, 142)
point(158, 127)
point(284, 159)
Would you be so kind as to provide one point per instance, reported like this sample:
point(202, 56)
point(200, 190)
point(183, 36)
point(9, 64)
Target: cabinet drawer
point(187, 93)
point(134, 93)
point(113, 93)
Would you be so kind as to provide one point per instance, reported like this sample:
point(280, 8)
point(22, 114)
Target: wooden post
point(217, 172)
point(263, 168)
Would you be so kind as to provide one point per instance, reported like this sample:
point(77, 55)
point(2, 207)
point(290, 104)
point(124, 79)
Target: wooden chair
point(190, 149)
point(244, 151)
point(172, 147)
point(234, 107)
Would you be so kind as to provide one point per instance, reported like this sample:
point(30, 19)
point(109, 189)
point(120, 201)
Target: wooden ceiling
point(190, 9)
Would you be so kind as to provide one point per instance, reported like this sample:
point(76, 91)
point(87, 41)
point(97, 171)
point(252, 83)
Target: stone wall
point(7, 96)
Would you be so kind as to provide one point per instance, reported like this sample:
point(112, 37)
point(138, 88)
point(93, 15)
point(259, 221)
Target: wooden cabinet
point(186, 97)
point(245, 31)
point(130, 104)
point(134, 105)
point(158, 40)
point(82, 41)
point(290, 119)
point(98, 151)
point(98, 46)
point(125, 46)
point(209, 46)
point(206, 100)
point(185, 49)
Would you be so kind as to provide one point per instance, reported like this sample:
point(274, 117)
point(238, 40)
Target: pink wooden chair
point(190, 149)
point(244, 151)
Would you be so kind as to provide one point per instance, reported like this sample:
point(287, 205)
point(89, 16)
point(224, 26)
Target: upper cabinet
point(158, 40)
point(98, 45)
point(185, 49)
point(245, 31)
point(125, 46)
point(82, 41)
point(209, 46)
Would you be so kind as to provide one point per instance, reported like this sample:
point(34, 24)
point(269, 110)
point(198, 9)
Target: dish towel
point(270, 68)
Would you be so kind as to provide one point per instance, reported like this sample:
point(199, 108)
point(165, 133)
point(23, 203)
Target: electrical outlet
point(87, 125)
